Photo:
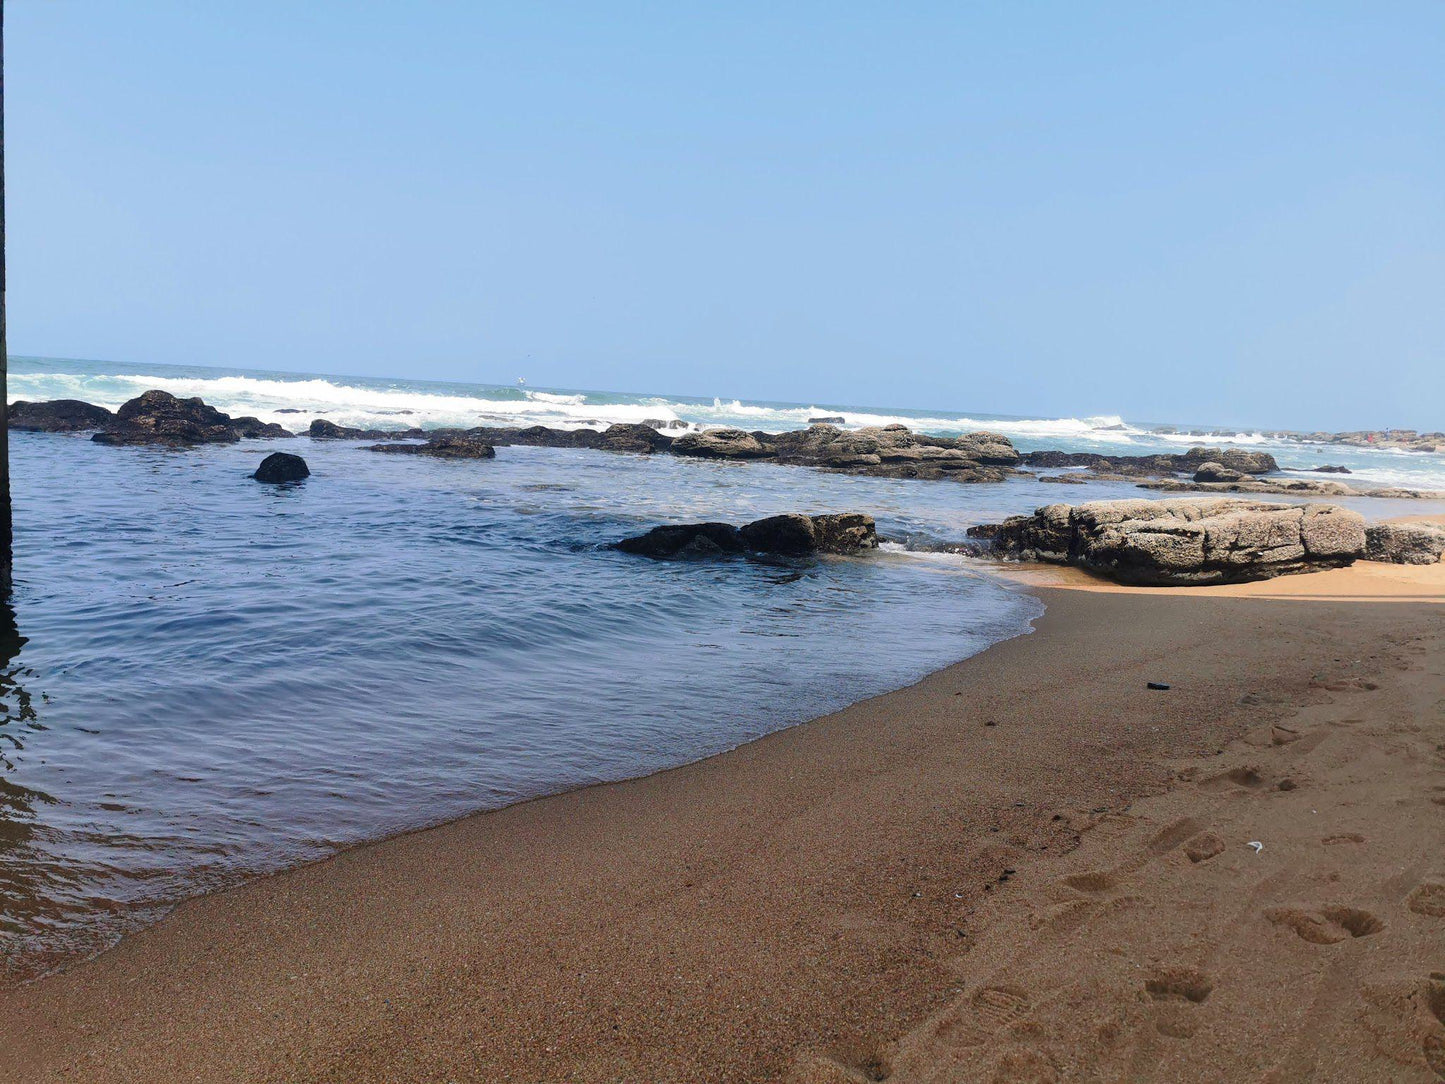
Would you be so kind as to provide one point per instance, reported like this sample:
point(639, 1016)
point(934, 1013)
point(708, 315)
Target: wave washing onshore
point(208, 678)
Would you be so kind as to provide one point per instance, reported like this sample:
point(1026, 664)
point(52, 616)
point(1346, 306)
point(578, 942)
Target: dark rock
point(158, 417)
point(1188, 541)
point(844, 532)
point(282, 467)
point(321, 429)
point(828, 419)
point(1332, 470)
point(790, 534)
point(685, 540)
point(1404, 543)
point(256, 429)
point(626, 437)
point(443, 446)
point(57, 416)
point(1158, 685)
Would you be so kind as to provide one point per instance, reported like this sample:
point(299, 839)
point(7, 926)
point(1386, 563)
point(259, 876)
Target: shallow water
point(208, 677)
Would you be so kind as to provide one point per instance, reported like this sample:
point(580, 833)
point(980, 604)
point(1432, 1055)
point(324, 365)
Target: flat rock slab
point(1184, 541)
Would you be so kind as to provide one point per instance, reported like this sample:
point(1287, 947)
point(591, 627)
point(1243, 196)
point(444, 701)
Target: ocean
point(206, 678)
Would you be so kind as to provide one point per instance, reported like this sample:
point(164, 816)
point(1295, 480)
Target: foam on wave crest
point(279, 401)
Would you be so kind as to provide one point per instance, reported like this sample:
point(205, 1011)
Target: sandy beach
point(1028, 866)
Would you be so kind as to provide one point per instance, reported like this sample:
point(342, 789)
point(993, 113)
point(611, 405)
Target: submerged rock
point(158, 417)
point(685, 540)
point(443, 446)
point(282, 467)
point(57, 416)
point(1404, 543)
point(1185, 541)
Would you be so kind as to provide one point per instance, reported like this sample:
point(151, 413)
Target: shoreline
point(796, 906)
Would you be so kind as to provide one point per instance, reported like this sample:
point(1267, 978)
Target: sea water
point(206, 678)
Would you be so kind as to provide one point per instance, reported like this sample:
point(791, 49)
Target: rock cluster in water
point(1184, 541)
point(790, 535)
point(890, 451)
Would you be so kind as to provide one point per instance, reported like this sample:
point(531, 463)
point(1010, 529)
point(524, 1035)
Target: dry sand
point(1027, 867)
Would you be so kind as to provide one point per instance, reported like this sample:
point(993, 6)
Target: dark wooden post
point(5, 535)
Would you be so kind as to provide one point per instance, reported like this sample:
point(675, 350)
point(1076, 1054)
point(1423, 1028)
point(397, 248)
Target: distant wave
point(345, 403)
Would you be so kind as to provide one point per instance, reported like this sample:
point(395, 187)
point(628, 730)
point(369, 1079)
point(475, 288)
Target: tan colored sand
point(899, 891)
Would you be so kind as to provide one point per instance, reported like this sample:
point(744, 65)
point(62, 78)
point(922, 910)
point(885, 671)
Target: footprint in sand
point(1203, 847)
point(1428, 899)
point(1175, 991)
point(1247, 776)
point(1098, 880)
point(988, 1012)
point(1326, 925)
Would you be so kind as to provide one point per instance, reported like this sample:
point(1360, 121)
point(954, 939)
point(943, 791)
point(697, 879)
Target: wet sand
point(1028, 866)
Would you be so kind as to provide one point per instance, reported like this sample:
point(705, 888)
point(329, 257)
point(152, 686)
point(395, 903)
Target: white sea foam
point(344, 403)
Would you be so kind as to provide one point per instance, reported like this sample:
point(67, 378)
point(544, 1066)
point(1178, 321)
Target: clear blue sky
point(1205, 212)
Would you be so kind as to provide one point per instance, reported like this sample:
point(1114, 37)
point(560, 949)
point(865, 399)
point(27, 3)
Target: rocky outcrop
point(685, 540)
point(1185, 541)
point(1308, 487)
point(282, 467)
point(788, 535)
point(1187, 463)
point(443, 446)
point(894, 451)
point(721, 444)
point(57, 416)
point(791, 534)
point(321, 429)
point(1404, 543)
point(1332, 470)
point(628, 437)
point(890, 451)
point(158, 417)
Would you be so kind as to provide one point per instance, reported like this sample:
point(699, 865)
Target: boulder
point(282, 467)
point(844, 532)
point(158, 417)
point(1217, 472)
point(630, 437)
point(1332, 470)
point(57, 416)
point(685, 540)
point(1404, 543)
point(893, 451)
point(1184, 541)
point(720, 444)
point(828, 419)
point(791, 534)
point(443, 446)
